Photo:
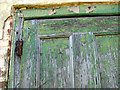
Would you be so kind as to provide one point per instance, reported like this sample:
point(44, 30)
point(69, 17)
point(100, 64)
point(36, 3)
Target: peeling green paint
point(107, 9)
point(79, 25)
point(105, 46)
point(108, 51)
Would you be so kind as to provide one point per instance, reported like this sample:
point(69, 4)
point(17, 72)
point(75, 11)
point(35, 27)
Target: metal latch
point(18, 47)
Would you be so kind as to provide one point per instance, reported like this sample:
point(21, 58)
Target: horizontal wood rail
point(53, 36)
point(67, 35)
point(68, 10)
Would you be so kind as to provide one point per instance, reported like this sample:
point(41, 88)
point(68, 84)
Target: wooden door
point(74, 61)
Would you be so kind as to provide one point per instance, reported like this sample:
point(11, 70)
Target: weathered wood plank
point(108, 49)
point(14, 78)
point(71, 62)
point(29, 61)
point(53, 36)
point(17, 59)
point(37, 49)
point(67, 35)
point(97, 25)
point(55, 67)
point(106, 9)
point(86, 70)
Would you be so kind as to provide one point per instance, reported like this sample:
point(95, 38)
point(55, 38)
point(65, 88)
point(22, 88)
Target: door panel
point(108, 49)
point(55, 60)
point(83, 24)
point(86, 66)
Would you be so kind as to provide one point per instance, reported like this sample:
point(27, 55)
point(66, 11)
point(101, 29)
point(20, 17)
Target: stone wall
point(6, 29)
point(5, 44)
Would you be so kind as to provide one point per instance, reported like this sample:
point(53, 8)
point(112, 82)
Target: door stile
point(71, 65)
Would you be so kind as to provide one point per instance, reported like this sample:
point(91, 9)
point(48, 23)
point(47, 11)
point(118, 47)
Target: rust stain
point(11, 24)
point(9, 43)
point(8, 31)
point(18, 48)
point(2, 73)
point(8, 51)
point(3, 84)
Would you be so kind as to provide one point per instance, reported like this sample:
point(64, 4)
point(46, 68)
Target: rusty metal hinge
point(19, 47)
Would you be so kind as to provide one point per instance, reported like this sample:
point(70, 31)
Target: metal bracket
point(19, 47)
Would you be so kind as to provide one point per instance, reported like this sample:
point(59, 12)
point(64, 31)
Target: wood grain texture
point(61, 63)
point(108, 49)
point(98, 25)
point(29, 62)
point(86, 70)
point(53, 36)
point(16, 60)
point(55, 66)
point(101, 9)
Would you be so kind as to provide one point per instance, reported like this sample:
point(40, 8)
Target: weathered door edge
point(72, 11)
point(15, 59)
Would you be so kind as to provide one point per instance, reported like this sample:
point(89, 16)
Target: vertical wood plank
point(17, 59)
point(71, 65)
point(55, 68)
point(108, 48)
point(29, 58)
point(37, 49)
point(85, 57)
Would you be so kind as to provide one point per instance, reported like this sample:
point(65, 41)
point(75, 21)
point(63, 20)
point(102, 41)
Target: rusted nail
point(11, 24)
point(16, 32)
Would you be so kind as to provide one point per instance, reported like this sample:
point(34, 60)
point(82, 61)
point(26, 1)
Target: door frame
point(70, 10)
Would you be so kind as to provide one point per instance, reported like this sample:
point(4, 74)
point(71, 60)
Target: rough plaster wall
point(4, 59)
point(5, 8)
